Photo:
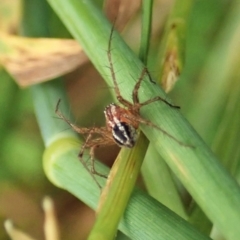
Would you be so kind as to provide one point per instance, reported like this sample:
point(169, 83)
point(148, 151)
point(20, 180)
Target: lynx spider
point(121, 122)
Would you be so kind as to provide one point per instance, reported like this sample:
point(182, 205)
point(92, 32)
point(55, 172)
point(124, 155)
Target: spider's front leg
point(77, 129)
point(158, 98)
point(137, 86)
point(139, 119)
point(119, 97)
point(135, 97)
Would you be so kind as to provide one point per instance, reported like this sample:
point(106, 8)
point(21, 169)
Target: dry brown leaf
point(171, 70)
point(32, 61)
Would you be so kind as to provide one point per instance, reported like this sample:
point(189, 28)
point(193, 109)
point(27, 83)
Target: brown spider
point(121, 122)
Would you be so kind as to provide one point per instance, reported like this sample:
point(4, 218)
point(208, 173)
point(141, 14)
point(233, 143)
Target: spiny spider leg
point(137, 86)
point(93, 145)
point(93, 169)
point(116, 88)
point(82, 130)
point(149, 75)
point(116, 117)
point(75, 128)
point(104, 138)
point(86, 143)
point(157, 99)
point(80, 155)
point(139, 119)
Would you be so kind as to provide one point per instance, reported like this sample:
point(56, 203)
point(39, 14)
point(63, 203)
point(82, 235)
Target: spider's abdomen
point(124, 135)
point(124, 129)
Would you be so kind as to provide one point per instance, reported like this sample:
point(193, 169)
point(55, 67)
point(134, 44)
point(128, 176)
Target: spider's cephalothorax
point(124, 130)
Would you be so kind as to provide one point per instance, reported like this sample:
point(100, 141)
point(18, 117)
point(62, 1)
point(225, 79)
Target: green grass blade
point(45, 98)
point(126, 168)
point(159, 182)
point(156, 174)
point(145, 218)
point(120, 184)
point(146, 30)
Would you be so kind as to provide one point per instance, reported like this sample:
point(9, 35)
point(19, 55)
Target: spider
point(122, 122)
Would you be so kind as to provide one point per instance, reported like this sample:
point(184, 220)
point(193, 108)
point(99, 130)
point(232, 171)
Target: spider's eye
point(124, 134)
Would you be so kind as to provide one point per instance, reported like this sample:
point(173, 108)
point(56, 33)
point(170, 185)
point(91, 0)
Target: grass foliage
point(194, 189)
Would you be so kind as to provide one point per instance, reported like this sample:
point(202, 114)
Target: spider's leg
point(61, 116)
point(77, 129)
point(116, 88)
point(149, 75)
point(150, 124)
point(85, 145)
point(137, 86)
point(89, 170)
point(157, 99)
point(103, 140)
point(93, 169)
point(80, 155)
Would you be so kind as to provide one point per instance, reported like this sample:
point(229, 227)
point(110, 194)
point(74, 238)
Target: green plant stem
point(120, 184)
point(45, 98)
point(145, 218)
point(158, 180)
point(155, 171)
point(217, 91)
point(218, 75)
point(126, 168)
point(146, 30)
